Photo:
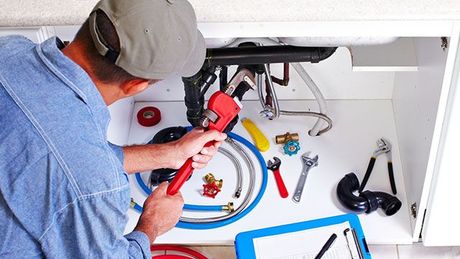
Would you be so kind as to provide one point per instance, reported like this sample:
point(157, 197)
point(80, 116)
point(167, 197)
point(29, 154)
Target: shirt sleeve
point(139, 245)
point(118, 151)
point(92, 227)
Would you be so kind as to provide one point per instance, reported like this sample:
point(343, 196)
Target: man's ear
point(134, 86)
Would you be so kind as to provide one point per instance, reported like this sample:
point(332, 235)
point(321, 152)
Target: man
point(64, 190)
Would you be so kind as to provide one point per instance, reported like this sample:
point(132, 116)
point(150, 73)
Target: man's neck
point(75, 52)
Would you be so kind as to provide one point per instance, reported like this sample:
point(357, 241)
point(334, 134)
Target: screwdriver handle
point(183, 174)
point(280, 183)
point(260, 141)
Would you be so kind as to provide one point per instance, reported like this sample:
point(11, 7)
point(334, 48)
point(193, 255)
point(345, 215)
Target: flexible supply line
point(276, 106)
point(239, 171)
point(252, 205)
point(311, 114)
point(318, 128)
point(239, 212)
point(246, 199)
point(148, 191)
point(260, 90)
point(239, 185)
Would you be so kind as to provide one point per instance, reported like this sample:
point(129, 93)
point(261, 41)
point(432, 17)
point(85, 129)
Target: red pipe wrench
point(222, 109)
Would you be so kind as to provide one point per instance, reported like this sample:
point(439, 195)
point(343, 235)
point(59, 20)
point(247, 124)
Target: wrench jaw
point(310, 162)
point(274, 165)
point(383, 147)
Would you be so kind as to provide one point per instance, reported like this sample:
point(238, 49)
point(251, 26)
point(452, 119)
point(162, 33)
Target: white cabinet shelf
point(346, 148)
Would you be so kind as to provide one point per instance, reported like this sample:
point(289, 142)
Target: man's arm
point(92, 227)
point(173, 154)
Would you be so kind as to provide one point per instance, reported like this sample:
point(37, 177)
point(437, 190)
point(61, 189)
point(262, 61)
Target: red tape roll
point(149, 116)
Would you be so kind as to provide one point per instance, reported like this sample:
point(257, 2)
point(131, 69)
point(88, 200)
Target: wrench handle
point(299, 188)
point(280, 183)
point(392, 177)
point(368, 174)
point(183, 174)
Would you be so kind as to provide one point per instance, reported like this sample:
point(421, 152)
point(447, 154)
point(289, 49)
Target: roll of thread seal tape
point(149, 116)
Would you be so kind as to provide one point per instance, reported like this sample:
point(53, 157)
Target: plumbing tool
point(260, 141)
point(222, 109)
point(275, 167)
point(383, 147)
point(309, 163)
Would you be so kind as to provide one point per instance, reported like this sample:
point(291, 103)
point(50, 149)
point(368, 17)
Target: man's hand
point(173, 154)
point(161, 212)
point(192, 145)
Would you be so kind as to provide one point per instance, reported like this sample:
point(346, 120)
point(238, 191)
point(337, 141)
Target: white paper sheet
point(306, 244)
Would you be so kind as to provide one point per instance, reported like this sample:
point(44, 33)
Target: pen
point(326, 246)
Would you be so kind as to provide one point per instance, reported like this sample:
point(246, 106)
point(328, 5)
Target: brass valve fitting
point(281, 139)
point(209, 178)
point(132, 203)
point(229, 207)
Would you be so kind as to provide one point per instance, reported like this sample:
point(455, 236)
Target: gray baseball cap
point(158, 38)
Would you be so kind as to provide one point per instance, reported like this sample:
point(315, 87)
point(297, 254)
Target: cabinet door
point(442, 224)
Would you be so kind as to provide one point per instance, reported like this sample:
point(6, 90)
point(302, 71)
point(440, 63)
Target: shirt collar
point(74, 77)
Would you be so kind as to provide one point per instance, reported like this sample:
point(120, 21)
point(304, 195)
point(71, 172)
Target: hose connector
point(229, 207)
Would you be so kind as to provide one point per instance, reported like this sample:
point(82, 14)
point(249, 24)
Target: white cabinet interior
point(402, 105)
point(399, 91)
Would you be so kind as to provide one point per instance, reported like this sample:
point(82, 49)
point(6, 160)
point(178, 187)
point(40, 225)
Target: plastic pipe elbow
point(345, 188)
point(367, 201)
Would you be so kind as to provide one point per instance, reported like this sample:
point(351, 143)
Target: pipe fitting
point(281, 139)
point(229, 207)
point(367, 201)
point(209, 178)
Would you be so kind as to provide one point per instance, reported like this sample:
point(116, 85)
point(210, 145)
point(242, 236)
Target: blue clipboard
point(244, 244)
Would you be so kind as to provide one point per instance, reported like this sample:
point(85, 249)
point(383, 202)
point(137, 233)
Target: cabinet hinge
point(413, 210)
point(444, 43)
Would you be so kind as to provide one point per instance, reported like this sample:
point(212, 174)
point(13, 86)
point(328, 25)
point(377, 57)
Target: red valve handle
point(280, 183)
point(226, 109)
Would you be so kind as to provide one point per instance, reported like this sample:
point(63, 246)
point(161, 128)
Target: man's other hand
point(192, 145)
point(161, 212)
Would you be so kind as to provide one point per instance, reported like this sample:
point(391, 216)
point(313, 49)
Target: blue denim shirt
point(63, 190)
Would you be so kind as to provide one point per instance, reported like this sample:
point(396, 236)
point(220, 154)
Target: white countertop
point(74, 12)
